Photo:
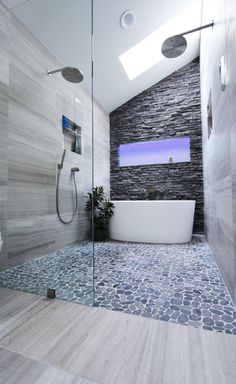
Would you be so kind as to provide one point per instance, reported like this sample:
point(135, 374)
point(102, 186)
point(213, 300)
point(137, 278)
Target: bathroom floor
point(177, 283)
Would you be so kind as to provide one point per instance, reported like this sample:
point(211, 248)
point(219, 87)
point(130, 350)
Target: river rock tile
point(180, 283)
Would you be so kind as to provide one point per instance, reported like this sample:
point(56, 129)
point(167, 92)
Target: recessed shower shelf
point(71, 132)
point(74, 130)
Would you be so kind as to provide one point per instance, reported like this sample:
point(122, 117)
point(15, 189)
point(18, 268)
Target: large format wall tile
point(219, 157)
point(231, 33)
point(101, 148)
point(4, 44)
point(32, 143)
point(4, 97)
point(31, 153)
point(4, 81)
point(75, 103)
point(3, 133)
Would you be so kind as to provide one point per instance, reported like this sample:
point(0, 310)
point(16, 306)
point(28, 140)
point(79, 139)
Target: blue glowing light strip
point(155, 152)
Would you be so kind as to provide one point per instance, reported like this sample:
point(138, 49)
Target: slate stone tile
point(134, 121)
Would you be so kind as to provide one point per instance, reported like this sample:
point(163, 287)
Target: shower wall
point(4, 95)
point(32, 142)
point(219, 155)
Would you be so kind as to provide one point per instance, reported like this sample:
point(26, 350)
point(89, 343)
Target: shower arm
point(198, 29)
point(55, 71)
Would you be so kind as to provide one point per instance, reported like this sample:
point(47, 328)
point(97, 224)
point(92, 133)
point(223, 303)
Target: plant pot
point(100, 234)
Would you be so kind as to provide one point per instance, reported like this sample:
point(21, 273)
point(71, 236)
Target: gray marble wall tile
point(32, 105)
point(3, 133)
point(12, 3)
point(4, 97)
point(4, 44)
point(231, 31)
point(31, 153)
point(3, 227)
point(3, 171)
point(101, 148)
point(74, 102)
point(219, 149)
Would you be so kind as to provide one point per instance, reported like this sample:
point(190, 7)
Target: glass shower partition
point(46, 152)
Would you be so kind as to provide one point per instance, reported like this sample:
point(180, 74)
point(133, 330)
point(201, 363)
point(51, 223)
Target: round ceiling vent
point(127, 19)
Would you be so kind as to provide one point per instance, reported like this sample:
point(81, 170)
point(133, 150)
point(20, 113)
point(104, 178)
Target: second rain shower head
point(174, 46)
point(71, 74)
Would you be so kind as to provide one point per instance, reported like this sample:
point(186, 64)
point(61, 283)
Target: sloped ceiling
point(111, 84)
point(64, 26)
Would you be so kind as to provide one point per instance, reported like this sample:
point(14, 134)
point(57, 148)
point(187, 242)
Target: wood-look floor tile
point(110, 347)
point(17, 369)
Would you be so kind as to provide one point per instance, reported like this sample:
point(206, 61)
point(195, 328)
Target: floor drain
point(51, 293)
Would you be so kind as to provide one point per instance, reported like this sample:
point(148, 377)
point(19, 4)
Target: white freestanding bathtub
point(155, 221)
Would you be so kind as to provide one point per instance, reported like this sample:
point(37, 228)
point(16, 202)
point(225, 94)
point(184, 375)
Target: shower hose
point(75, 206)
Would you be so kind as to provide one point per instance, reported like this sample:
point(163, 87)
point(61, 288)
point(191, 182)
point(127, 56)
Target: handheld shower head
point(60, 165)
point(71, 74)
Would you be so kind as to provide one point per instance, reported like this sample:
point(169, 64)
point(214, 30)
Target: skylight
point(142, 56)
point(147, 52)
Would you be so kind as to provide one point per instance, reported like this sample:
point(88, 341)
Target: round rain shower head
point(174, 46)
point(72, 74)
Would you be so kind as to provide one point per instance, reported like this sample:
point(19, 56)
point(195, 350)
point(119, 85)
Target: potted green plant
point(101, 210)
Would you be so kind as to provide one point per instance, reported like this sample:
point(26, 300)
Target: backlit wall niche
point(155, 152)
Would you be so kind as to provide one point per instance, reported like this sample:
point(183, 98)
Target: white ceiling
point(111, 84)
point(65, 27)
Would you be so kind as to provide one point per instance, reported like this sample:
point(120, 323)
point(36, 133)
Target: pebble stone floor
point(180, 283)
